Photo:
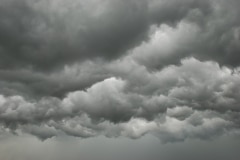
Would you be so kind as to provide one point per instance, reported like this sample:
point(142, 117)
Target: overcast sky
point(119, 79)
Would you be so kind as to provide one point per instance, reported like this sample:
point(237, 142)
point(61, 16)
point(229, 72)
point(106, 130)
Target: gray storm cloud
point(120, 68)
point(195, 99)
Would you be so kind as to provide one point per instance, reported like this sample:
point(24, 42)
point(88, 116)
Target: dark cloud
point(207, 33)
point(219, 40)
point(120, 68)
point(29, 83)
point(193, 100)
point(45, 34)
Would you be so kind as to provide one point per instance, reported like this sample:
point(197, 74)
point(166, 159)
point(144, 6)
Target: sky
point(119, 79)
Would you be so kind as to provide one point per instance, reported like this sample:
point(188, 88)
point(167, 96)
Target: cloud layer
point(120, 68)
point(194, 99)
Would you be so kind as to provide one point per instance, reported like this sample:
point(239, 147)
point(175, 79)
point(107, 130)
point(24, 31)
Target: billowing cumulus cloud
point(120, 68)
point(192, 100)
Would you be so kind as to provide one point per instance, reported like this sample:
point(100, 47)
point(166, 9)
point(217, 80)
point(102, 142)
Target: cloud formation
point(195, 99)
point(120, 68)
